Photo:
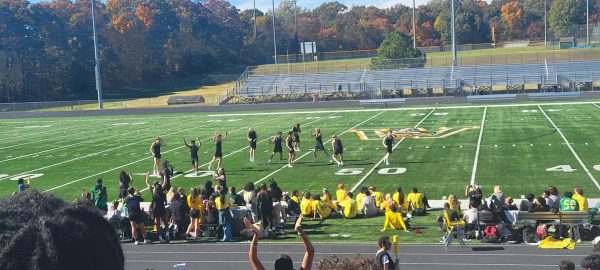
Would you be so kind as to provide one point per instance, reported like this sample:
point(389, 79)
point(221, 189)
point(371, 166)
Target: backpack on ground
point(530, 236)
point(490, 234)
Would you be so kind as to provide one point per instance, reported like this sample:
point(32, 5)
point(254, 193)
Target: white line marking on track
point(140, 160)
point(381, 160)
point(474, 171)
point(346, 131)
point(572, 150)
point(240, 150)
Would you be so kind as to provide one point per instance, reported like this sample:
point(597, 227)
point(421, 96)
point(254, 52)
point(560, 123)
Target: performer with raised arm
point(193, 153)
point(277, 148)
point(218, 138)
point(155, 151)
point(251, 136)
point(388, 143)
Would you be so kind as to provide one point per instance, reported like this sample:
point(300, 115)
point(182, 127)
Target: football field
point(523, 147)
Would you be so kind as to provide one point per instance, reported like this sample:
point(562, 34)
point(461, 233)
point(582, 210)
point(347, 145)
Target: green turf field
point(523, 147)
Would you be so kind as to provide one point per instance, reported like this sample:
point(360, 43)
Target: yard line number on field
point(571, 148)
point(393, 148)
point(208, 173)
point(146, 158)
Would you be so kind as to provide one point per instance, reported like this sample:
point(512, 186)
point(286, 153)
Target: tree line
point(46, 48)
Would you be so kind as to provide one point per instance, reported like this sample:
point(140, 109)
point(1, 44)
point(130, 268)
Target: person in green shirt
point(100, 197)
point(567, 203)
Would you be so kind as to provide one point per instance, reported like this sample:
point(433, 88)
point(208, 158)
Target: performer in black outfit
point(155, 150)
point(252, 139)
point(319, 144)
point(276, 140)
point(338, 149)
point(218, 138)
point(193, 153)
point(296, 131)
point(289, 143)
point(388, 143)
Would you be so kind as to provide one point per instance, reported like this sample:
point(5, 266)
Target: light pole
point(96, 59)
point(274, 42)
point(545, 22)
point(414, 27)
point(453, 34)
point(254, 18)
point(587, 21)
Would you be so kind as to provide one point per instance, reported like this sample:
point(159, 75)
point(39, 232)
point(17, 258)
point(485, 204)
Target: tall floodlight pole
point(274, 42)
point(587, 21)
point(414, 27)
point(96, 58)
point(453, 34)
point(295, 19)
point(254, 18)
point(545, 22)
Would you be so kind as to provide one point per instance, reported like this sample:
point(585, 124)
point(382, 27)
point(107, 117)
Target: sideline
point(474, 172)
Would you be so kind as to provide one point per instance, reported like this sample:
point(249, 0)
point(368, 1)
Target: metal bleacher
point(465, 80)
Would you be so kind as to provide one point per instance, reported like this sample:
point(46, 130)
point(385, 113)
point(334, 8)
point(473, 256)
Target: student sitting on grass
point(328, 200)
point(416, 203)
point(340, 194)
point(368, 204)
point(400, 199)
point(349, 206)
point(393, 218)
point(378, 196)
point(320, 207)
point(567, 203)
point(21, 185)
point(306, 206)
point(284, 262)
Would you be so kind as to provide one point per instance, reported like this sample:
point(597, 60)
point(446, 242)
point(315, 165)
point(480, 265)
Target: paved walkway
point(234, 256)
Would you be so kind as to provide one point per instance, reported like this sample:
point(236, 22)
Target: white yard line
point(117, 134)
point(239, 150)
point(310, 152)
point(595, 105)
point(571, 148)
point(146, 158)
point(407, 109)
point(381, 160)
point(474, 172)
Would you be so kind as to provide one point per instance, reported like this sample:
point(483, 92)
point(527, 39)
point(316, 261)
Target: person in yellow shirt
point(194, 201)
point(415, 202)
point(327, 199)
point(306, 206)
point(349, 207)
point(400, 199)
point(320, 207)
point(294, 196)
point(387, 203)
point(378, 196)
point(340, 194)
point(360, 196)
point(393, 218)
point(581, 200)
point(222, 204)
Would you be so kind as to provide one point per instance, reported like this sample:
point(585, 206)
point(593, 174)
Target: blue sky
point(265, 5)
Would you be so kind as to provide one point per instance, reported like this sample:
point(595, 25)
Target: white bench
point(385, 102)
point(554, 94)
point(493, 97)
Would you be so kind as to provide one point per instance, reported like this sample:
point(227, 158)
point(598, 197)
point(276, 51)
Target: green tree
point(397, 45)
point(564, 14)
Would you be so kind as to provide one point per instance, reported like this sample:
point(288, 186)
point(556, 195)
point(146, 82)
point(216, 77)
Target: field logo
point(416, 133)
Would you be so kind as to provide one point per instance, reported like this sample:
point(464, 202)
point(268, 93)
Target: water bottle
point(179, 265)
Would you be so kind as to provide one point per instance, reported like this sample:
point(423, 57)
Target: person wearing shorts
point(338, 150)
point(289, 143)
point(296, 131)
point(277, 148)
point(388, 143)
point(252, 140)
point(218, 138)
point(193, 153)
point(155, 150)
point(136, 217)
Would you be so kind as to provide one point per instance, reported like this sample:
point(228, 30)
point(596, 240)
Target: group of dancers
point(292, 144)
